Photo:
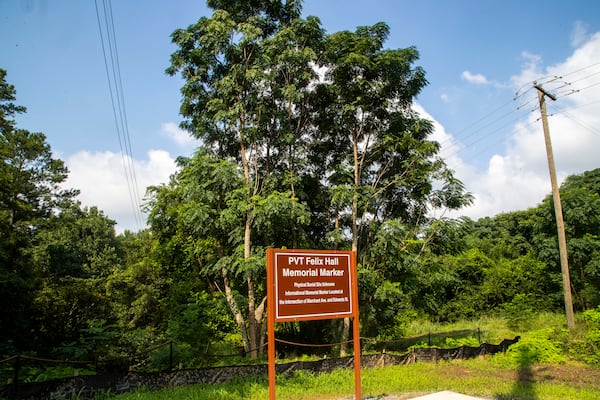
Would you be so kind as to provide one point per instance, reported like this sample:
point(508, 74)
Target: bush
point(539, 346)
point(467, 341)
point(592, 339)
point(519, 312)
point(171, 356)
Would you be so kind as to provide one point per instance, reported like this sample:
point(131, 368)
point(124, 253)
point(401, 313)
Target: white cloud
point(181, 137)
point(450, 146)
point(480, 79)
point(514, 178)
point(477, 79)
point(579, 35)
point(102, 180)
point(530, 71)
point(517, 177)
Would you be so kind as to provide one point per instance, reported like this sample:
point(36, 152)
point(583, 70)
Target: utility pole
point(560, 225)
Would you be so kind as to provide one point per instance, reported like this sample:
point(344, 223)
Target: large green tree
point(73, 252)
point(580, 196)
point(381, 164)
point(30, 193)
point(247, 71)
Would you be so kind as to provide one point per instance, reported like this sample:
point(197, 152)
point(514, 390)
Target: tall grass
point(473, 377)
point(518, 374)
point(491, 329)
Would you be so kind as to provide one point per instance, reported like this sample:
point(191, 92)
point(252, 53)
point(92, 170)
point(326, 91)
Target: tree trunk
point(235, 310)
point(252, 327)
point(262, 325)
point(253, 334)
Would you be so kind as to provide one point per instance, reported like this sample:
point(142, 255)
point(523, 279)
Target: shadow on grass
point(524, 386)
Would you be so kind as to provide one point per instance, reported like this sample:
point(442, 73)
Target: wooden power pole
point(560, 225)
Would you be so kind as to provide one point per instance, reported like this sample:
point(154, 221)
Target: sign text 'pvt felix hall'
point(312, 261)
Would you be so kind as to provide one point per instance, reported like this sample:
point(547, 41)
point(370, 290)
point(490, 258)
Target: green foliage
point(519, 312)
point(7, 108)
point(287, 160)
point(580, 195)
point(64, 310)
point(202, 322)
point(592, 338)
point(248, 71)
point(30, 193)
point(539, 346)
point(473, 377)
point(470, 341)
point(442, 342)
point(78, 243)
point(454, 287)
point(48, 374)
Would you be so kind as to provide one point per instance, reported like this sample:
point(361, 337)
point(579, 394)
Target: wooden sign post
point(311, 285)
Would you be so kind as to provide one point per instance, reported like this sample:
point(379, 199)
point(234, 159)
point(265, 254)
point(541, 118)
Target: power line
point(490, 124)
point(118, 104)
point(124, 123)
point(567, 88)
point(577, 71)
point(511, 114)
point(570, 116)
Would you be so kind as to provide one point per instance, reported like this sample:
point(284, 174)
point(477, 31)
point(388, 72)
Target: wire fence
point(125, 378)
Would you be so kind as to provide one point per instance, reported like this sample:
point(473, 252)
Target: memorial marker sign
point(311, 285)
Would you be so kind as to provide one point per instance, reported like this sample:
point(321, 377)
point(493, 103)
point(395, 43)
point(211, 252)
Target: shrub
point(458, 342)
point(592, 339)
point(519, 312)
point(539, 346)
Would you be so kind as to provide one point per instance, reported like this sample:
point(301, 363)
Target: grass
point(479, 377)
point(524, 375)
point(492, 329)
point(544, 364)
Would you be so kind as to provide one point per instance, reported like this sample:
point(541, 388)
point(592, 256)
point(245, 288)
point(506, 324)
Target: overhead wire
point(566, 113)
point(578, 70)
point(493, 124)
point(125, 124)
point(474, 124)
point(572, 83)
point(476, 132)
point(113, 74)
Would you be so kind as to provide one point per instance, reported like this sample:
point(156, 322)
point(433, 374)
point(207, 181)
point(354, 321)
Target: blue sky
point(477, 56)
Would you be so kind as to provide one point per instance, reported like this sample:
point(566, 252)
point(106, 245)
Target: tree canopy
point(308, 139)
point(289, 105)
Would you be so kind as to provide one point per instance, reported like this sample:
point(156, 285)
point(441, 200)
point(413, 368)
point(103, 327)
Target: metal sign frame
point(307, 285)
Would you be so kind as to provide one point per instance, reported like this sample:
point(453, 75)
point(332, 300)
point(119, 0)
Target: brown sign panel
point(312, 285)
point(308, 285)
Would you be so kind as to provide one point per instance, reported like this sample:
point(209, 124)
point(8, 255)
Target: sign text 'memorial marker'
point(311, 285)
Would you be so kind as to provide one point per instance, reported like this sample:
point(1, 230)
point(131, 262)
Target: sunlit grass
point(479, 377)
point(491, 329)
point(490, 377)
